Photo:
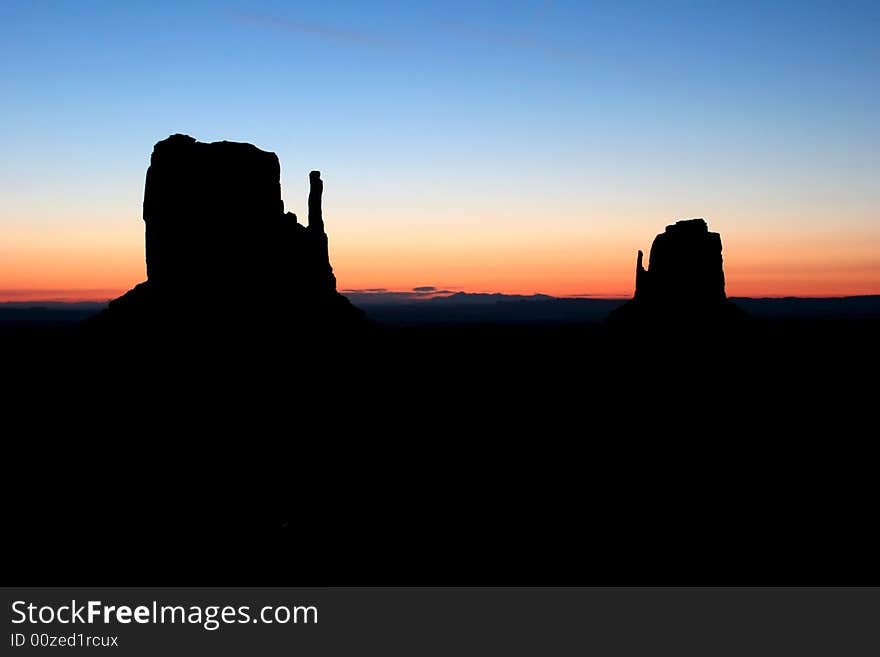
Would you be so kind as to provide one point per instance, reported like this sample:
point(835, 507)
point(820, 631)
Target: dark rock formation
point(684, 281)
point(221, 250)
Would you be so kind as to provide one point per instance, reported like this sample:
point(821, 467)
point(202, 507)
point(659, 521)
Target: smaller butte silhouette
point(222, 251)
point(684, 282)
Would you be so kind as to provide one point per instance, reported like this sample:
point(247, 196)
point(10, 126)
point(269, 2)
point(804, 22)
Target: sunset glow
point(533, 149)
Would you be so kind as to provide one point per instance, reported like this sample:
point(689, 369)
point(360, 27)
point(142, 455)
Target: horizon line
point(105, 295)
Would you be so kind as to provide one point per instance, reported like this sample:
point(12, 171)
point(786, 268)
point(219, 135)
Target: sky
point(515, 147)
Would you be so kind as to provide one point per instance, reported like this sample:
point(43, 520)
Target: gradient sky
point(486, 146)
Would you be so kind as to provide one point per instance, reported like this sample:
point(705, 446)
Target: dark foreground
point(556, 454)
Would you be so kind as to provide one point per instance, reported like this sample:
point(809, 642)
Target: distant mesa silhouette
point(684, 281)
point(217, 235)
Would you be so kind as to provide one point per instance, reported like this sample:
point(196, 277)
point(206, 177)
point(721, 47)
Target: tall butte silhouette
point(684, 282)
point(217, 236)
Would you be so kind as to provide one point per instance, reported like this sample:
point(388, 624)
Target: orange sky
point(94, 265)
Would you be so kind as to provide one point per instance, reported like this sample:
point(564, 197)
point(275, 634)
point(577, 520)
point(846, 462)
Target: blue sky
point(554, 125)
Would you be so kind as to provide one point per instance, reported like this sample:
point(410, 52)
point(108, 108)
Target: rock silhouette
point(217, 234)
point(684, 281)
